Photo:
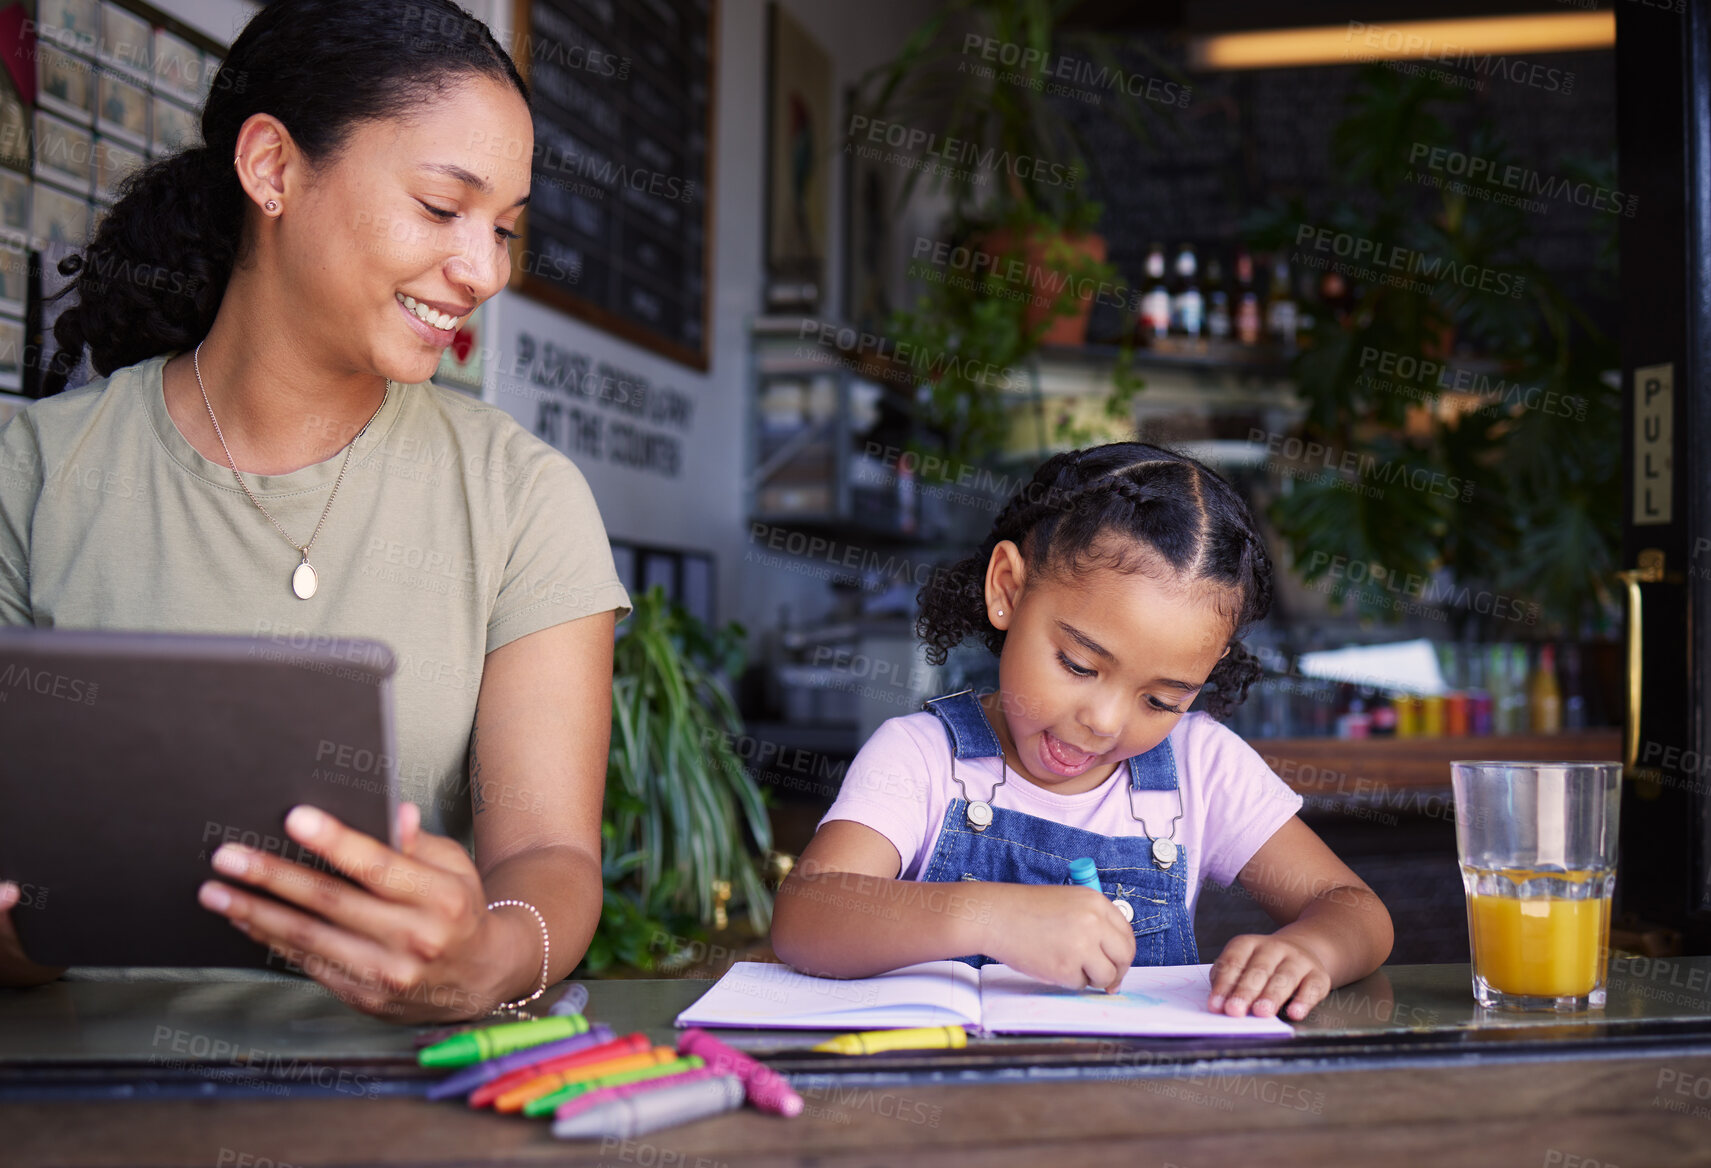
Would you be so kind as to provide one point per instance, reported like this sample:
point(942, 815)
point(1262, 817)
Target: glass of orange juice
point(1537, 845)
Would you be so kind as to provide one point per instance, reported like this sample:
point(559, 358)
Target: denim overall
point(1024, 849)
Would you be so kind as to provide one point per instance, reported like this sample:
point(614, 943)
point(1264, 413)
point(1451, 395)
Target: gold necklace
point(304, 580)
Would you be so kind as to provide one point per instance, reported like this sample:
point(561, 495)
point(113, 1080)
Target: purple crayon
point(582, 1103)
point(766, 1088)
point(467, 1079)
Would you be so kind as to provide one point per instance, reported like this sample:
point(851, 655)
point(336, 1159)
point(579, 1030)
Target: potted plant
point(683, 819)
point(1017, 183)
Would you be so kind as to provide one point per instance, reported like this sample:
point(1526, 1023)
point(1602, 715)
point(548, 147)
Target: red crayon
point(765, 1087)
point(606, 1051)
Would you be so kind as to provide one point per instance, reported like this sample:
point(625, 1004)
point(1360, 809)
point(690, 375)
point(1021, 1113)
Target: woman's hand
point(411, 940)
point(15, 968)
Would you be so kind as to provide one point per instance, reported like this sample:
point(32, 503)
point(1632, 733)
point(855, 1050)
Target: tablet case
point(126, 759)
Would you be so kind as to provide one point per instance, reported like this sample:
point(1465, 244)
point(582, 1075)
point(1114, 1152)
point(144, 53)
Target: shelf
point(1354, 770)
point(1184, 353)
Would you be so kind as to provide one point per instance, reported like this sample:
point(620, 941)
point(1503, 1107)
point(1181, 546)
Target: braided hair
point(1176, 515)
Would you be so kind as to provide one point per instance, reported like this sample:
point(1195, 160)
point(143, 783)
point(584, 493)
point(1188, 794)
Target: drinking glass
point(1537, 845)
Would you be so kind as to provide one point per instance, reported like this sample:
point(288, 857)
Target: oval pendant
point(1164, 852)
point(303, 581)
point(980, 815)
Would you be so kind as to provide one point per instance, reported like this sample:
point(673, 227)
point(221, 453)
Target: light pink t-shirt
point(900, 786)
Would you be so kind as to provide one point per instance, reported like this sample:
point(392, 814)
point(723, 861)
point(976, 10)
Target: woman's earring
point(270, 206)
point(998, 612)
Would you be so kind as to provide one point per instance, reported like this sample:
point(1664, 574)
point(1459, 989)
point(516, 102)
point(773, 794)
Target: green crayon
point(473, 1046)
point(547, 1104)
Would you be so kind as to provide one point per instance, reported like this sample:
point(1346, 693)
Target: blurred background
point(807, 289)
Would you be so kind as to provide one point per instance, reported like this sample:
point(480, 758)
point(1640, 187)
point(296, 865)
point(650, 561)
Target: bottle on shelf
point(1432, 716)
point(1452, 659)
point(1573, 688)
point(1188, 305)
point(1478, 697)
point(1218, 322)
point(1383, 716)
point(1155, 302)
point(1334, 294)
point(1280, 314)
point(1507, 679)
point(1407, 716)
point(1544, 694)
point(1356, 722)
point(1247, 300)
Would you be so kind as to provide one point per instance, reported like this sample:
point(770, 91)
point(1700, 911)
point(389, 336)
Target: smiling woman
point(294, 476)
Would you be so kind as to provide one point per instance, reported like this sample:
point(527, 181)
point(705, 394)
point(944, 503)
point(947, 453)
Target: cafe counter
point(1402, 1067)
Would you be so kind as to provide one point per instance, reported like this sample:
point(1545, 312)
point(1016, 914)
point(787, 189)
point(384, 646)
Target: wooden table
point(1398, 1069)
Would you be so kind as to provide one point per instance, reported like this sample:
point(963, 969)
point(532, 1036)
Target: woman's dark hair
point(152, 278)
point(1171, 516)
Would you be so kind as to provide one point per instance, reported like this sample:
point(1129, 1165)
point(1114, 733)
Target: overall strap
point(970, 733)
point(1155, 770)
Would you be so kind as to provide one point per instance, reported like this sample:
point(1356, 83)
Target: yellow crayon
point(918, 1038)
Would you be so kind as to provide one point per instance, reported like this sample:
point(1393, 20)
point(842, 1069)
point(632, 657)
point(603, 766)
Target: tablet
point(126, 759)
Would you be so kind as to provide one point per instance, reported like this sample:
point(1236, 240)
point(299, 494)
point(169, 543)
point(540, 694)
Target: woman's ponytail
point(151, 279)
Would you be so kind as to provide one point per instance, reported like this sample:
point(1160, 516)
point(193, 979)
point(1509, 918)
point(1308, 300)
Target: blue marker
point(1084, 873)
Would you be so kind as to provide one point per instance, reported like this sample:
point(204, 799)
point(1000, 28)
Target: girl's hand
point(15, 968)
point(1063, 934)
point(411, 941)
point(1265, 972)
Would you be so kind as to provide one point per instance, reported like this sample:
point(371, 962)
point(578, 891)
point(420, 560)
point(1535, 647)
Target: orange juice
point(1548, 947)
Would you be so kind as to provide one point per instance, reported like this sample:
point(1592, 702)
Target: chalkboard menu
point(617, 226)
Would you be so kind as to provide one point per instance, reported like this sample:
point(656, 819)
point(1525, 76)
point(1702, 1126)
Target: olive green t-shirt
point(454, 532)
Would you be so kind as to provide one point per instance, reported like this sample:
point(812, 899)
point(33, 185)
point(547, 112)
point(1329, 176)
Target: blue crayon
point(575, 997)
point(1084, 873)
point(467, 1079)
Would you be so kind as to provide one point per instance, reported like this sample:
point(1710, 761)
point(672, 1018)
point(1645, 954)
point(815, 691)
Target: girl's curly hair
point(1172, 513)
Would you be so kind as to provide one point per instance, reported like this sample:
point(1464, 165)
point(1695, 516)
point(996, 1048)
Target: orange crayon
point(515, 1099)
point(607, 1051)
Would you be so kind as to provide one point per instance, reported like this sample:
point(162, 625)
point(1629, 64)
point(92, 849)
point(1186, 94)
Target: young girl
point(1113, 588)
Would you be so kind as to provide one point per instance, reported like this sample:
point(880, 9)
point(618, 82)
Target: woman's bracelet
point(546, 953)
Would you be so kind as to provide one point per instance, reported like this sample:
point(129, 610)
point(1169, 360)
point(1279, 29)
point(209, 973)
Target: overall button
point(1127, 909)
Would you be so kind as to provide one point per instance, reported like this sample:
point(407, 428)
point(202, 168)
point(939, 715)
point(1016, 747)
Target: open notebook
point(1165, 1000)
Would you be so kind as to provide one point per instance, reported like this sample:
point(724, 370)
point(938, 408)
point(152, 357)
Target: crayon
point(590, 1056)
point(474, 1046)
point(574, 1000)
point(548, 1104)
point(652, 1110)
point(1084, 873)
point(766, 1088)
point(555, 1081)
point(439, 1034)
point(601, 1095)
point(914, 1038)
point(469, 1078)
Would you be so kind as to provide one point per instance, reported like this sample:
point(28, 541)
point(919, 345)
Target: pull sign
point(1654, 443)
